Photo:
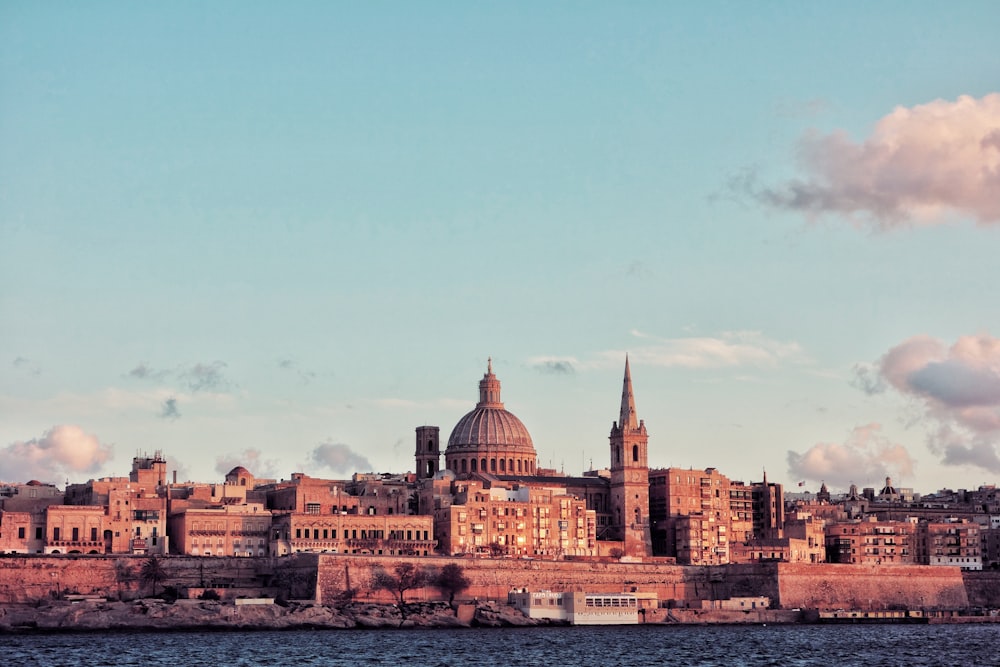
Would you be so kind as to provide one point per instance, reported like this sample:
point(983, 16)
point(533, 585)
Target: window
point(55, 534)
point(93, 534)
point(312, 508)
point(38, 533)
point(20, 532)
point(76, 534)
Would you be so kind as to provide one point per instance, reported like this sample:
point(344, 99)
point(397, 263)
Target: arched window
point(430, 445)
point(473, 465)
point(482, 465)
point(510, 465)
point(493, 465)
point(519, 465)
point(635, 452)
point(503, 465)
point(463, 464)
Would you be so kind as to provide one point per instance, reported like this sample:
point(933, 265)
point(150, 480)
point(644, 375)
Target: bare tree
point(405, 577)
point(451, 580)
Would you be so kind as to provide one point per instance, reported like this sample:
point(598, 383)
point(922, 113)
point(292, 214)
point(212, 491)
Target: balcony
point(75, 544)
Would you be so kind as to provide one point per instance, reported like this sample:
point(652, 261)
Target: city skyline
point(284, 238)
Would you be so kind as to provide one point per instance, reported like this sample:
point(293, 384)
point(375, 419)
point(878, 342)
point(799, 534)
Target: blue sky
point(285, 236)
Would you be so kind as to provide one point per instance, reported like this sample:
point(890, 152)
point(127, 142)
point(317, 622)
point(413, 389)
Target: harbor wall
point(332, 577)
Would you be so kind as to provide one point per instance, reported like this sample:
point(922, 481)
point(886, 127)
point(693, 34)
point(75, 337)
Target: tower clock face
point(636, 476)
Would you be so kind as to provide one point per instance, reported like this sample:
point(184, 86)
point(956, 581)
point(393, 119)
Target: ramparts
point(329, 578)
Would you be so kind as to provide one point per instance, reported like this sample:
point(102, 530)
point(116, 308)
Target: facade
point(390, 535)
point(956, 542)
point(578, 608)
point(135, 507)
point(524, 521)
point(692, 519)
point(227, 530)
point(872, 542)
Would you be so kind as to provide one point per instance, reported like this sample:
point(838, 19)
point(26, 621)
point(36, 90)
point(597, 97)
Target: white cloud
point(958, 389)
point(865, 457)
point(63, 450)
point(919, 164)
point(730, 349)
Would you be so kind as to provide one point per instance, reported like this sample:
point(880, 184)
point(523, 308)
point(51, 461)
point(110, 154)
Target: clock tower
point(630, 477)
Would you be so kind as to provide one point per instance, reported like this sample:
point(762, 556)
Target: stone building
point(134, 507)
point(491, 458)
point(224, 530)
point(873, 542)
point(531, 521)
point(955, 542)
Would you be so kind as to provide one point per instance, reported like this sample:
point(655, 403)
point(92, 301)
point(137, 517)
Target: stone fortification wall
point(327, 577)
point(493, 578)
point(37, 577)
point(870, 587)
point(983, 588)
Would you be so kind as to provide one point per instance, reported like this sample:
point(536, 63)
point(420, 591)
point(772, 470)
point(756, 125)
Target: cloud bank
point(339, 458)
point(251, 459)
point(730, 349)
point(63, 451)
point(958, 389)
point(919, 164)
point(866, 457)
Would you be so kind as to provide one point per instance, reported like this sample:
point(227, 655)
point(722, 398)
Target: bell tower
point(630, 477)
point(428, 451)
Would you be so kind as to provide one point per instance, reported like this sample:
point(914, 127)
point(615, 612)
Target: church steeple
point(630, 476)
point(627, 420)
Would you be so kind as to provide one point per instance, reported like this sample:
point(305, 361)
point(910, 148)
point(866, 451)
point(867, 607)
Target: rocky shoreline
point(158, 615)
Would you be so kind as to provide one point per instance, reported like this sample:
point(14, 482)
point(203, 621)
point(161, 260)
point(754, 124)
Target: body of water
point(871, 645)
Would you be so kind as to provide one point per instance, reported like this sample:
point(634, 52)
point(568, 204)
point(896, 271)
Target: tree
point(123, 576)
point(407, 576)
point(451, 580)
point(152, 572)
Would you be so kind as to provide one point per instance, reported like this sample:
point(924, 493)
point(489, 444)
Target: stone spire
point(627, 420)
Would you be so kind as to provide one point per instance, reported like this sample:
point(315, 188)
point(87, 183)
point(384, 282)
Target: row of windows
point(526, 466)
point(331, 534)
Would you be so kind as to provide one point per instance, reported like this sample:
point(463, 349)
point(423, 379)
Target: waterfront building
point(134, 507)
point(533, 521)
point(955, 542)
point(225, 530)
point(577, 607)
point(872, 541)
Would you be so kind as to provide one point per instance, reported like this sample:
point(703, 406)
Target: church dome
point(486, 426)
point(490, 438)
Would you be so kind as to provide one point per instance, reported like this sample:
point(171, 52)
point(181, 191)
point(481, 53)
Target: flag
point(802, 483)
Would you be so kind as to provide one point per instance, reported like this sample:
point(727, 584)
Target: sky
point(284, 235)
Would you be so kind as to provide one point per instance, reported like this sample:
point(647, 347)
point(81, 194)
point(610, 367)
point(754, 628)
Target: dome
point(490, 426)
point(490, 438)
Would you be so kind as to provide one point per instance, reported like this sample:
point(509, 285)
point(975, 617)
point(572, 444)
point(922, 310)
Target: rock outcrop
point(153, 614)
